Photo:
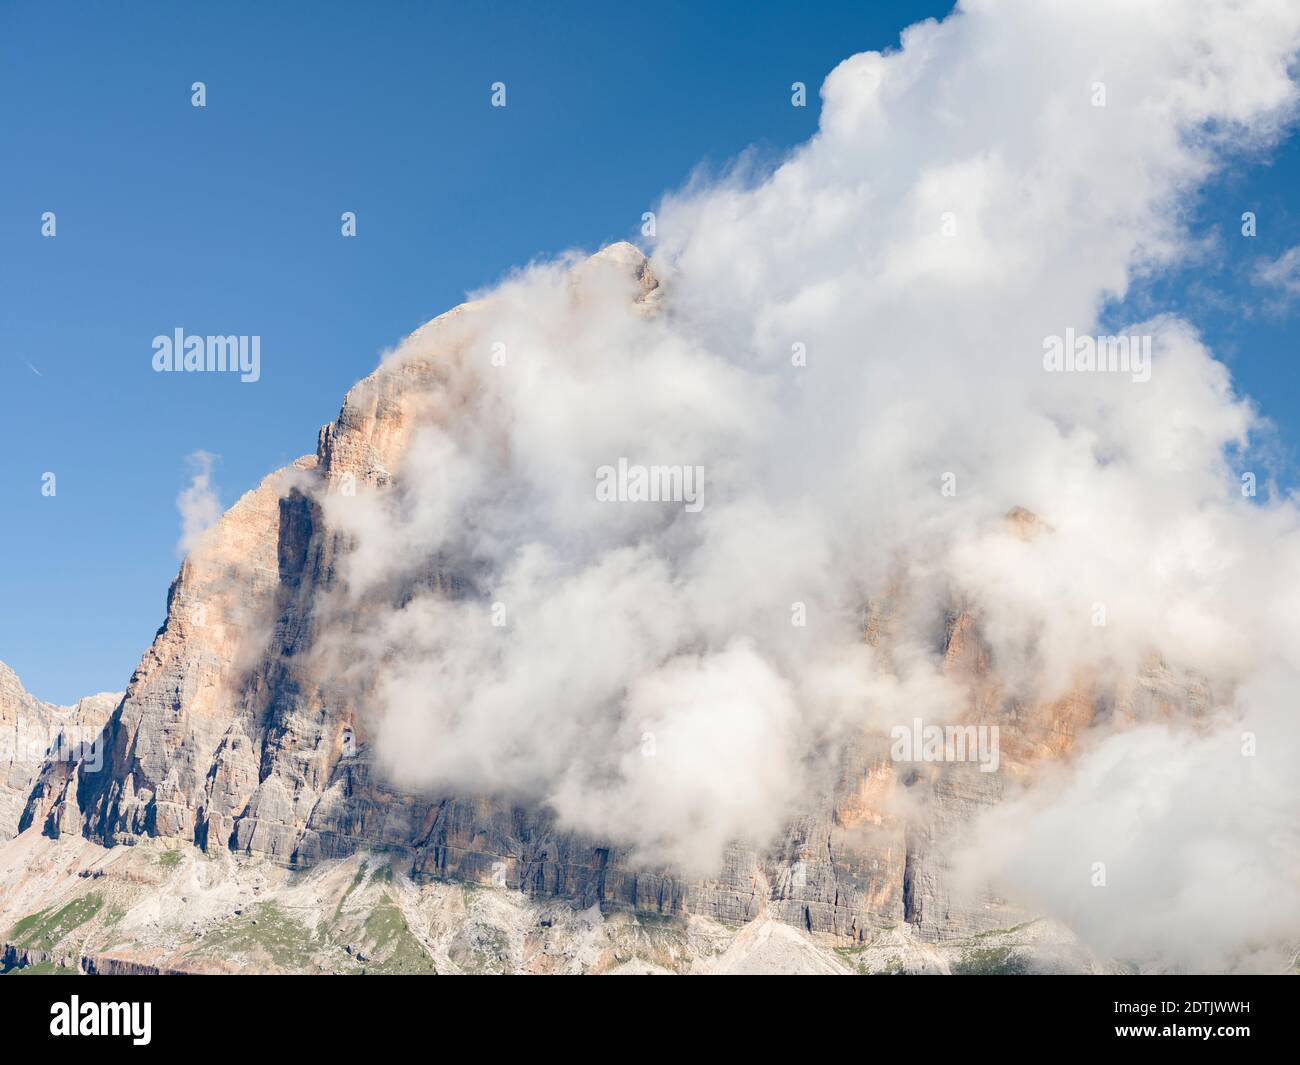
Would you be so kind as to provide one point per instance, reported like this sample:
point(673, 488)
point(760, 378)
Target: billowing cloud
point(852, 346)
point(1164, 843)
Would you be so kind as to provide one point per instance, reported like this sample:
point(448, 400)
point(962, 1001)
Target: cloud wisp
point(199, 504)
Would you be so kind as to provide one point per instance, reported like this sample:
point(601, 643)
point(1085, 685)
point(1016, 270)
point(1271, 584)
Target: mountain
point(37, 737)
point(238, 817)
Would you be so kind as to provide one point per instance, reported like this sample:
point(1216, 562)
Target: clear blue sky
point(226, 220)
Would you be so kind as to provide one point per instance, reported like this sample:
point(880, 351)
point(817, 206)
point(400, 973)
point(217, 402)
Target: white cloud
point(199, 504)
point(924, 357)
point(1282, 273)
point(1199, 841)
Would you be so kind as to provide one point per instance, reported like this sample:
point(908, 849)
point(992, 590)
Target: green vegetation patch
point(45, 929)
point(391, 937)
point(266, 932)
point(170, 859)
point(44, 968)
point(989, 961)
point(269, 932)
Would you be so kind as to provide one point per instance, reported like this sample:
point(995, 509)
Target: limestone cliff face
point(37, 737)
point(229, 739)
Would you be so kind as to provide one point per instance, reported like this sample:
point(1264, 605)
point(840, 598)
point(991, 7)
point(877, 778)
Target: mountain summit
point(244, 736)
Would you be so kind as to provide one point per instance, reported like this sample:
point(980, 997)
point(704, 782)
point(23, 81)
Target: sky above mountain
point(226, 219)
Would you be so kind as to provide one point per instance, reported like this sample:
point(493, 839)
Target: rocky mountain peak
point(229, 739)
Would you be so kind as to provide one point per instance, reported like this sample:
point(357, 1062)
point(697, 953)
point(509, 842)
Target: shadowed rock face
point(40, 740)
point(227, 737)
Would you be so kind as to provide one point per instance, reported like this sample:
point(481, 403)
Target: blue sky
point(226, 220)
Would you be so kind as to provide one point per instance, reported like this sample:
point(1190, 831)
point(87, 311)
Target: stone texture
point(36, 736)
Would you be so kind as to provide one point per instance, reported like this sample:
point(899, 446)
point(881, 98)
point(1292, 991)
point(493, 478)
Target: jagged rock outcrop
point(37, 737)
